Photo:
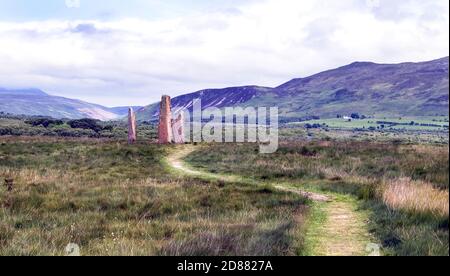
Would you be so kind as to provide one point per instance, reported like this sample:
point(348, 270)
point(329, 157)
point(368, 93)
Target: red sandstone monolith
point(165, 121)
point(178, 129)
point(131, 126)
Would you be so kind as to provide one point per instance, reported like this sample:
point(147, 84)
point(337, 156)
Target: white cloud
point(373, 3)
point(73, 3)
point(134, 61)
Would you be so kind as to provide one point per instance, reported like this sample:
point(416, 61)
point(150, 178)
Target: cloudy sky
point(116, 52)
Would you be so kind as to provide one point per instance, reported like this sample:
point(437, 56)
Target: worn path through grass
point(336, 226)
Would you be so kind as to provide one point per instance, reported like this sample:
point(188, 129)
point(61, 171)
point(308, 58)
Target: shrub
point(45, 122)
point(355, 116)
point(310, 126)
point(86, 124)
point(305, 151)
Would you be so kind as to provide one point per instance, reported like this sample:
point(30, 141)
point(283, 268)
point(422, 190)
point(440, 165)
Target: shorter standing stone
point(178, 129)
point(131, 126)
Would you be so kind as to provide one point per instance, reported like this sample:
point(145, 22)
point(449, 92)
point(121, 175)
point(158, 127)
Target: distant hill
point(32, 102)
point(123, 110)
point(406, 89)
point(233, 96)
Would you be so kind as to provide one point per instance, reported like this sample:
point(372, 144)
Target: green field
point(438, 124)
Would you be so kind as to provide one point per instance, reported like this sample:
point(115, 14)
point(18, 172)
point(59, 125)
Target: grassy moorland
point(402, 188)
point(114, 199)
point(388, 187)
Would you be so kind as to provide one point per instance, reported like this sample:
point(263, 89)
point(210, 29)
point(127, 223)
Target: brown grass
point(403, 186)
point(415, 196)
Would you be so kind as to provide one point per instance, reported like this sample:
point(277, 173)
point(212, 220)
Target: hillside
point(233, 96)
point(32, 102)
point(406, 89)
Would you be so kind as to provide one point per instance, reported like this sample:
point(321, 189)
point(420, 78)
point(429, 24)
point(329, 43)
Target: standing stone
point(178, 129)
point(165, 120)
point(131, 126)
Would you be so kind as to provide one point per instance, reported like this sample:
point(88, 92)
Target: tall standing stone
point(165, 121)
point(131, 126)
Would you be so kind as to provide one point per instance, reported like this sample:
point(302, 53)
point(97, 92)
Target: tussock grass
point(114, 199)
point(331, 160)
point(403, 187)
point(415, 197)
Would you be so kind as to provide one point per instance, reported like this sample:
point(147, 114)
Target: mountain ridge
point(35, 102)
point(26, 91)
point(403, 89)
point(408, 88)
